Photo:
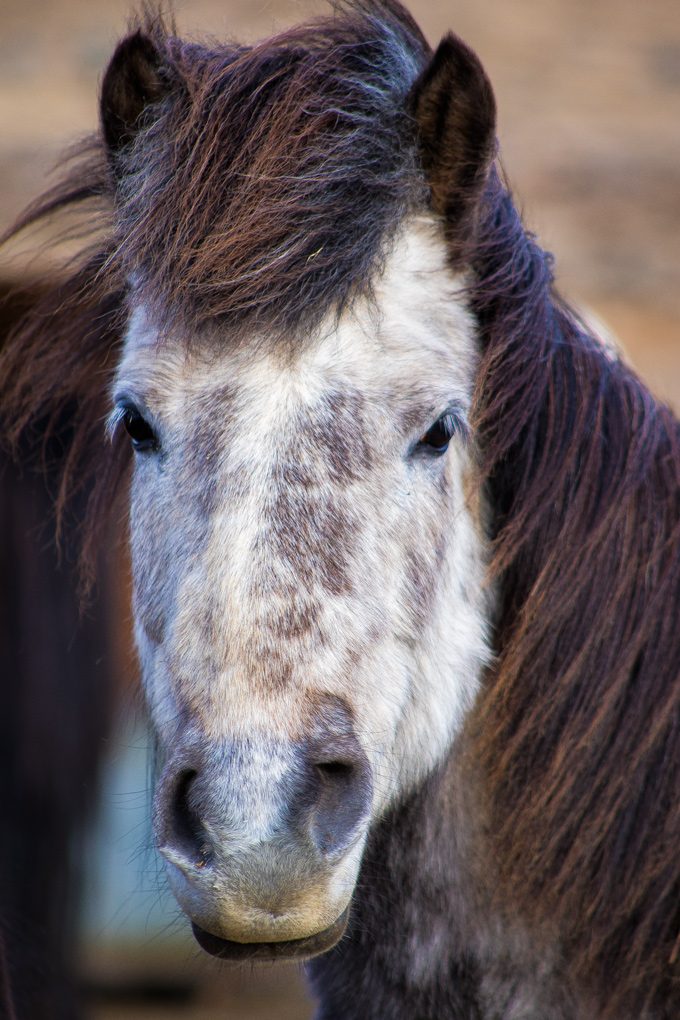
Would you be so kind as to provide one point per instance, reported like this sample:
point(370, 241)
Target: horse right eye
point(140, 432)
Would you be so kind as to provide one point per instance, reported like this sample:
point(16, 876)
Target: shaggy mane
point(578, 731)
point(272, 176)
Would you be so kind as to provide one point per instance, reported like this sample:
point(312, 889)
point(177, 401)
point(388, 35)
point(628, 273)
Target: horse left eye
point(438, 437)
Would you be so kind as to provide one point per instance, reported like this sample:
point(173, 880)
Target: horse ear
point(135, 78)
point(455, 111)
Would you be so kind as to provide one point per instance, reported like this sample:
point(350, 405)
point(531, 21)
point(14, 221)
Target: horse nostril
point(335, 770)
point(188, 835)
point(342, 800)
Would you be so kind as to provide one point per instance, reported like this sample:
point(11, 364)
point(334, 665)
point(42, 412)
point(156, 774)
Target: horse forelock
point(264, 187)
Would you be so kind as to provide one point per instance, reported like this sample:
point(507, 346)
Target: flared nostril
point(335, 771)
point(185, 835)
point(342, 800)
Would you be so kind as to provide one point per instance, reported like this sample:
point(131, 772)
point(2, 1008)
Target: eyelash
point(434, 442)
point(440, 434)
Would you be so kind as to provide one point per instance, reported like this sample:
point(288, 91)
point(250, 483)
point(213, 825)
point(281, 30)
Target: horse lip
point(293, 949)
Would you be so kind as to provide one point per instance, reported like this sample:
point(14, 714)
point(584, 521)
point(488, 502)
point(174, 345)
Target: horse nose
point(210, 807)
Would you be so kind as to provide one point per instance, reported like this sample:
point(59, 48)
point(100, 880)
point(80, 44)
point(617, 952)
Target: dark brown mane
point(579, 729)
point(271, 177)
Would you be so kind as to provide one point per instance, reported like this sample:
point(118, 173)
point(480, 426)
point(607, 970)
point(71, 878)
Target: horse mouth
point(266, 952)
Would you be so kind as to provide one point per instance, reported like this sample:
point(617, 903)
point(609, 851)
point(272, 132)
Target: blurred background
point(589, 114)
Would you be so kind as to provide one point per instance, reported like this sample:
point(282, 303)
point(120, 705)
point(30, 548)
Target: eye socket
point(437, 438)
point(140, 432)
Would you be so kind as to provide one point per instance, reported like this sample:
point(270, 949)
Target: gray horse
point(404, 533)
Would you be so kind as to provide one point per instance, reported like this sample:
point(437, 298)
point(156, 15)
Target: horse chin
point(267, 952)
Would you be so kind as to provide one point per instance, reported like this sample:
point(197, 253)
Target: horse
point(404, 532)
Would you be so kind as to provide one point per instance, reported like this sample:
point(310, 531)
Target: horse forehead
point(412, 335)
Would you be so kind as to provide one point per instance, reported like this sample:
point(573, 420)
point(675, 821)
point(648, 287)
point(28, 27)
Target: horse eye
point(438, 437)
point(140, 432)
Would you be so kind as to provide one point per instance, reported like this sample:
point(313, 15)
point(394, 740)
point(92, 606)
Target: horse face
point(310, 614)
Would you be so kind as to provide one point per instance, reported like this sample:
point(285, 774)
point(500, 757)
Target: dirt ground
point(589, 112)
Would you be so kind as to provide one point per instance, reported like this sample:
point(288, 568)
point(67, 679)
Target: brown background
point(589, 109)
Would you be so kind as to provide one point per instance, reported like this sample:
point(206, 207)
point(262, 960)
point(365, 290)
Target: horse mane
point(271, 179)
point(58, 684)
point(578, 729)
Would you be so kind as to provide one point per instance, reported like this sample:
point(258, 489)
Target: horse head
point(308, 539)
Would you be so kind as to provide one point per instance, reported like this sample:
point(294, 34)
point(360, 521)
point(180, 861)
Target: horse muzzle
point(263, 840)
